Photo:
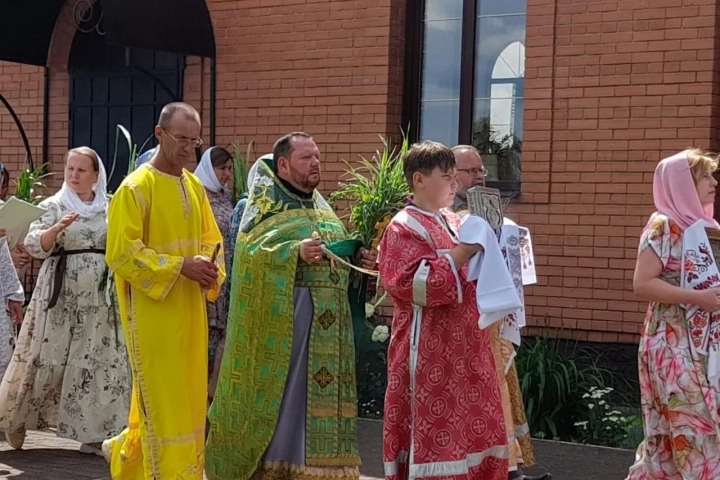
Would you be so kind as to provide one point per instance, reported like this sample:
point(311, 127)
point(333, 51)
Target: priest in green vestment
point(286, 403)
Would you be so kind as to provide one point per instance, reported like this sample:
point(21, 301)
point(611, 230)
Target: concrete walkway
point(46, 457)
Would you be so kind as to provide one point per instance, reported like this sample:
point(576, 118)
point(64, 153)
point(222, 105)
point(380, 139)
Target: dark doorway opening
point(111, 85)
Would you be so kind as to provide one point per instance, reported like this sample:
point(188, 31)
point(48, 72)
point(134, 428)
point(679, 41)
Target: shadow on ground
point(51, 464)
point(566, 461)
point(50, 458)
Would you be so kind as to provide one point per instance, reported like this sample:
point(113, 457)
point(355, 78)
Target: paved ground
point(47, 457)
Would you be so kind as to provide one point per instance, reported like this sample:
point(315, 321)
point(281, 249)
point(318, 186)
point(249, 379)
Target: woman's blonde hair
point(701, 163)
point(88, 152)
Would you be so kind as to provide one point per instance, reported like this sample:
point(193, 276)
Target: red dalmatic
point(443, 409)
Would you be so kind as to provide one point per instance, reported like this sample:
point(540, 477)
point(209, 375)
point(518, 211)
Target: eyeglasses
point(473, 171)
point(185, 142)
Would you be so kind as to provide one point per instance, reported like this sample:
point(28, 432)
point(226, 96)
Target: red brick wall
point(331, 68)
point(611, 88)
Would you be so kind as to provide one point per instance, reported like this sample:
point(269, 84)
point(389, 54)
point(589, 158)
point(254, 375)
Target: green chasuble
point(266, 270)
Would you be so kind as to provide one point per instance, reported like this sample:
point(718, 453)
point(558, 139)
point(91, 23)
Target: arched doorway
point(112, 85)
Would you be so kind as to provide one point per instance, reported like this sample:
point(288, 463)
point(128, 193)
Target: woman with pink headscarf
point(678, 362)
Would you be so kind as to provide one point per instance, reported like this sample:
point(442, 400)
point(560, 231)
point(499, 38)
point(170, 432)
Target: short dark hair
point(425, 157)
point(219, 156)
point(169, 111)
point(283, 146)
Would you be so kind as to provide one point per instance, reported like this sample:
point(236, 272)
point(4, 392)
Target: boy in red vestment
point(443, 408)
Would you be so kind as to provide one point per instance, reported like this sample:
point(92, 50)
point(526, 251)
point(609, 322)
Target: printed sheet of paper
point(17, 215)
point(486, 203)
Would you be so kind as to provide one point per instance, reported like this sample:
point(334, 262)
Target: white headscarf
point(253, 170)
point(206, 173)
point(70, 199)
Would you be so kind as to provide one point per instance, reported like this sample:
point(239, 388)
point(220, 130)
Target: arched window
point(466, 82)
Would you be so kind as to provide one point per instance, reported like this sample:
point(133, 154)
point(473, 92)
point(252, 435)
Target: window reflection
point(439, 121)
point(440, 98)
point(443, 10)
point(499, 89)
point(501, 7)
point(495, 92)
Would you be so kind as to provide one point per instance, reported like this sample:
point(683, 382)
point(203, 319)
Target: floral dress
point(10, 289)
point(70, 366)
point(222, 208)
point(680, 411)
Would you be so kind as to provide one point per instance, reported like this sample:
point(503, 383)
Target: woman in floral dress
point(679, 405)
point(215, 171)
point(70, 366)
point(12, 297)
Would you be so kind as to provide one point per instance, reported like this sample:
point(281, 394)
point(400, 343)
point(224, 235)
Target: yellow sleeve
point(211, 237)
point(127, 256)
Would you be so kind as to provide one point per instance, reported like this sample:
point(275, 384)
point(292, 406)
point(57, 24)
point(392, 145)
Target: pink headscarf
point(675, 194)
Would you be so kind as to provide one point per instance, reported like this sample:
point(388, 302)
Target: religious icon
point(486, 203)
point(714, 237)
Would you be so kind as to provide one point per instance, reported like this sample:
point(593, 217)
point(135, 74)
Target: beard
point(304, 181)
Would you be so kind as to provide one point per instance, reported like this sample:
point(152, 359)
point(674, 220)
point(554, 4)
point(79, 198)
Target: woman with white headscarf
point(215, 171)
point(70, 368)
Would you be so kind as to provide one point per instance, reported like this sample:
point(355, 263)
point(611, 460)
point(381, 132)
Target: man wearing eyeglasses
point(164, 249)
point(470, 173)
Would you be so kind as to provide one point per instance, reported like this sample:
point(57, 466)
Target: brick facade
point(611, 87)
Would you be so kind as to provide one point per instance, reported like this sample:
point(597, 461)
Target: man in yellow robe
point(161, 239)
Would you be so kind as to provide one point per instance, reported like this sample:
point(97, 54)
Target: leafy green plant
point(376, 190)
point(553, 377)
point(29, 185)
point(606, 425)
point(507, 148)
point(133, 152)
point(371, 363)
point(241, 169)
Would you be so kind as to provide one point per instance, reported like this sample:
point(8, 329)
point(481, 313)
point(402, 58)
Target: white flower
point(591, 406)
point(380, 334)
point(369, 310)
point(587, 395)
point(263, 180)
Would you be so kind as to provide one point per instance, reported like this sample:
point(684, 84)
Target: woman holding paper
point(20, 257)
point(678, 359)
point(12, 296)
point(215, 171)
point(70, 366)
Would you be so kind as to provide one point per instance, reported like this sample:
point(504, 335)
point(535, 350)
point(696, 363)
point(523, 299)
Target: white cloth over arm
point(495, 292)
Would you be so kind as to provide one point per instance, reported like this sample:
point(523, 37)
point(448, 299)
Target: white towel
point(495, 292)
point(511, 250)
point(700, 272)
